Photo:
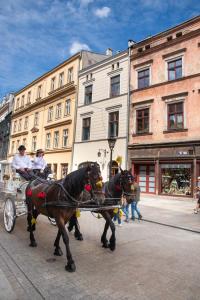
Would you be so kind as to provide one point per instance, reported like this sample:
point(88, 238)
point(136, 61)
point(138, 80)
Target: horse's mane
point(110, 186)
point(74, 182)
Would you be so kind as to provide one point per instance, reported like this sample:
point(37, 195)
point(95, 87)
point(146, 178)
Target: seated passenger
point(22, 164)
point(40, 167)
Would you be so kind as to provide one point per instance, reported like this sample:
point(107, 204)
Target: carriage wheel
point(9, 214)
point(52, 221)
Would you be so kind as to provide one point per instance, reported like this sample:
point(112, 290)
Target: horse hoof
point(112, 247)
point(58, 252)
point(79, 237)
point(33, 244)
point(70, 267)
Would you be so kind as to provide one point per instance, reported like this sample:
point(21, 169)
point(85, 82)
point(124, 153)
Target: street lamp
point(111, 143)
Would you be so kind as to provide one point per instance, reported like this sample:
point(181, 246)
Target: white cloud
point(102, 12)
point(76, 47)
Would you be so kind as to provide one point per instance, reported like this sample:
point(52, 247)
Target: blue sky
point(36, 35)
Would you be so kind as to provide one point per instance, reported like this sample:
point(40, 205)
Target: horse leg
point(78, 235)
point(31, 229)
point(104, 240)
point(108, 216)
point(70, 267)
point(58, 250)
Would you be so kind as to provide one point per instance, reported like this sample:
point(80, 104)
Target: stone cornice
point(183, 94)
point(174, 53)
point(143, 102)
point(55, 125)
point(147, 62)
point(49, 99)
point(167, 44)
point(19, 134)
point(164, 144)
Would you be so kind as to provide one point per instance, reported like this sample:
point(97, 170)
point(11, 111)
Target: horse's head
point(126, 182)
point(94, 180)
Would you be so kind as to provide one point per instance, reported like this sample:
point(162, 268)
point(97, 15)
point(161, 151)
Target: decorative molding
point(34, 129)
point(142, 134)
point(183, 94)
point(113, 107)
point(147, 62)
point(103, 100)
point(67, 85)
point(55, 125)
point(87, 113)
point(115, 72)
point(143, 102)
point(88, 82)
point(174, 53)
point(19, 134)
point(175, 130)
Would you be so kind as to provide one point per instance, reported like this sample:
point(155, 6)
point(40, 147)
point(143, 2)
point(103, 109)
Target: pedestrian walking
point(134, 204)
point(197, 208)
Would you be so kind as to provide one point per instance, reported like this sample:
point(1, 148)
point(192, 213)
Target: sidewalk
point(170, 211)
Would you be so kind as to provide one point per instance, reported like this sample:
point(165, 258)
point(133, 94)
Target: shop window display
point(176, 179)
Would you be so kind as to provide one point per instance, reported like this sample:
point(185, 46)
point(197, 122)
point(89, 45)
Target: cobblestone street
point(151, 261)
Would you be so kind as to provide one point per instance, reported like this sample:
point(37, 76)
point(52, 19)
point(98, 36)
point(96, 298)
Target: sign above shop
point(183, 152)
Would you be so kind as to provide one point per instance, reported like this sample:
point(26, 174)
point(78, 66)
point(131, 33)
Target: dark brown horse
point(59, 200)
point(119, 185)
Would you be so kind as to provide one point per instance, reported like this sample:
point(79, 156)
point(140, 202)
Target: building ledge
point(19, 134)
point(68, 85)
point(141, 134)
point(175, 130)
point(55, 125)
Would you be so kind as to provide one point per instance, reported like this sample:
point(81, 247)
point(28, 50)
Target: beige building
point(164, 145)
point(43, 114)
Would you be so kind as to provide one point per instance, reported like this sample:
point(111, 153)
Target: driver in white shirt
point(22, 164)
point(39, 164)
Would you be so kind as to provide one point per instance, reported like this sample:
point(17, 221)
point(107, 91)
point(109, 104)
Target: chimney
point(109, 51)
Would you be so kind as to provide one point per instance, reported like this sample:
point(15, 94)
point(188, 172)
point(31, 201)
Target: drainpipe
point(130, 45)
point(75, 114)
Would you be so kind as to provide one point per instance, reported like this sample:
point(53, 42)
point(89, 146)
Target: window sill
point(175, 130)
point(141, 134)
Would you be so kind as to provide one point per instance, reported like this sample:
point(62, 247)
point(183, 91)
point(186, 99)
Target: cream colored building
point(43, 115)
point(102, 113)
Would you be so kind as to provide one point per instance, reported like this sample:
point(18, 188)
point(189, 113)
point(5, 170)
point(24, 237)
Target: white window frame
point(70, 75)
point(29, 97)
point(39, 92)
point(20, 125)
point(61, 79)
point(36, 118)
point(170, 59)
point(48, 140)
point(50, 114)
point(67, 107)
point(15, 126)
point(34, 143)
point(56, 144)
point(140, 107)
point(143, 68)
point(172, 101)
point(58, 110)
point(65, 136)
point(53, 83)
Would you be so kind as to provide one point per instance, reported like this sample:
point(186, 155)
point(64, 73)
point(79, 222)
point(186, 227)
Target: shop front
point(170, 170)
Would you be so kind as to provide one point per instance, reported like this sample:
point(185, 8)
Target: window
point(34, 143)
point(24, 142)
point(70, 75)
point(175, 116)
point(26, 123)
point(15, 127)
point(175, 69)
point(12, 147)
point(48, 140)
point(20, 125)
point(86, 129)
point(17, 103)
point(143, 78)
point(67, 107)
point(53, 82)
point(58, 111)
point(29, 97)
point(22, 101)
point(56, 139)
point(39, 92)
point(17, 145)
point(88, 94)
point(61, 79)
point(115, 86)
point(142, 120)
point(113, 124)
point(65, 137)
point(117, 65)
point(50, 114)
point(64, 170)
point(36, 119)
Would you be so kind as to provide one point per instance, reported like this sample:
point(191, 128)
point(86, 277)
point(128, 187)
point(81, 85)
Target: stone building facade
point(102, 113)
point(43, 115)
point(164, 142)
